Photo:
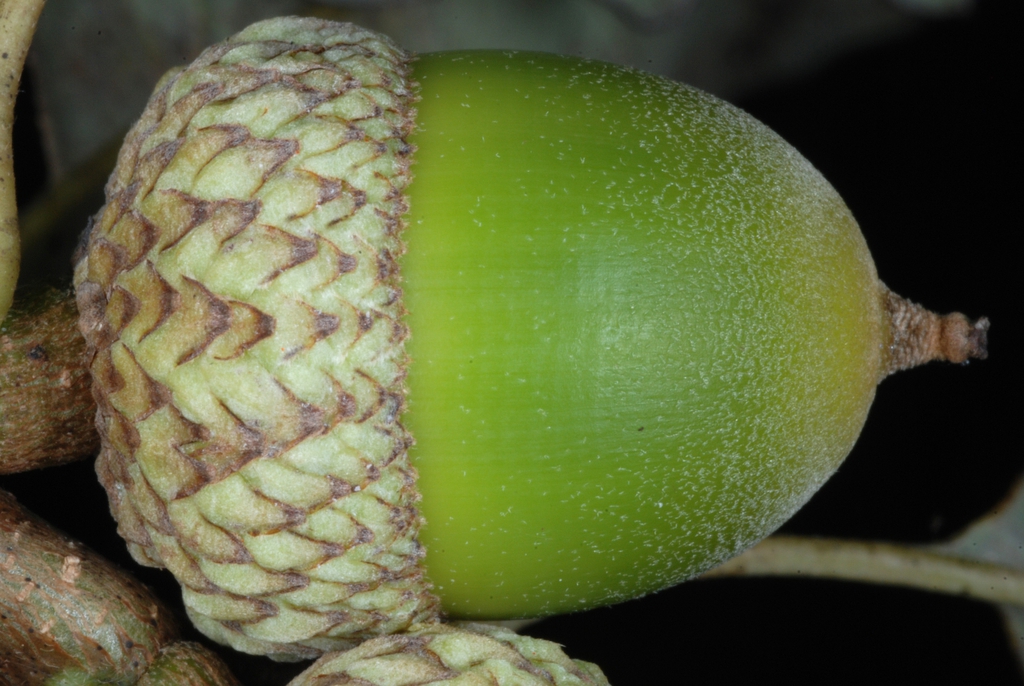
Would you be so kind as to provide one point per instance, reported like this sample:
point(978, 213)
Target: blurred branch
point(46, 408)
point(878, 563)
point(69, 612)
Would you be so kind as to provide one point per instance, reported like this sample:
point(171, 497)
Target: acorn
point(453, 654)
point(378, 339)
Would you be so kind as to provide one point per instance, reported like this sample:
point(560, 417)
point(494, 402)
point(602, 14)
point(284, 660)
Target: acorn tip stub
point(917, 335)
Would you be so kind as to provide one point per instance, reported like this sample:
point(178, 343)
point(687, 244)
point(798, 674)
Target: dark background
point(923, 140)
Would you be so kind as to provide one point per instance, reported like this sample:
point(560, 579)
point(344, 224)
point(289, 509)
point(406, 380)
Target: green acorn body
point(642, 331)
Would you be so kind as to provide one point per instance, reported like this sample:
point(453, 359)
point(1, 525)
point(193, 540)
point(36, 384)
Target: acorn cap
point(240, 298)
point(454, 654)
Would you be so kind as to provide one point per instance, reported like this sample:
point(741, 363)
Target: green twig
point(878, 563)
point(17, 25)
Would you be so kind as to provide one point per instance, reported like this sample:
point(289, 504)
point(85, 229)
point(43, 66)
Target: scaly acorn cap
point(240, 298)
point(456, 654)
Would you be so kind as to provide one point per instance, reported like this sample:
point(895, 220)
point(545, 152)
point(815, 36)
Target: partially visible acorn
point(184, 663)
point(644, 331)
point(453, 654)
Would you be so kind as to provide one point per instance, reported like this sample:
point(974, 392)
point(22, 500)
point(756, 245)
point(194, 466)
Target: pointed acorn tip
point(918, 336)
point(962, 339)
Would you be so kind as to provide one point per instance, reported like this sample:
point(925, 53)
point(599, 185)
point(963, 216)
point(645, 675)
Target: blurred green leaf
point(96, 60)
point(935, 7)
point(998, 538)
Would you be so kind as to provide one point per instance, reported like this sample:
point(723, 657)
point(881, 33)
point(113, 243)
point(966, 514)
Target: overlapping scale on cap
point(456, 655)
point(241, 301)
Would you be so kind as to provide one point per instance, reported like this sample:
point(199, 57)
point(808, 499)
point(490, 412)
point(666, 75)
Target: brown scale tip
point(917, 335)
